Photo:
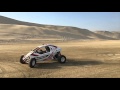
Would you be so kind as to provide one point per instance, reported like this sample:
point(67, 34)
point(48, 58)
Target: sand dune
point(11, 28)
point(112, 34)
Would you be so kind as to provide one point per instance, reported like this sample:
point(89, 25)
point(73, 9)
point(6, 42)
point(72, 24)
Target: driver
point(40, 51)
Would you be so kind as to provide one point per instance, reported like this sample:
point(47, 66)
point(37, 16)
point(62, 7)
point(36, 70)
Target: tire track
point(24, 69)
point(108, 54)
point(9, 70)
point(107, 72)
point(111, 56)
point(18, 70)
point(3, 71)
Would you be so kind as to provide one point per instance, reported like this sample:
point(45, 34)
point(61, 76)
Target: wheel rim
point(33, 63)
point(62, 59)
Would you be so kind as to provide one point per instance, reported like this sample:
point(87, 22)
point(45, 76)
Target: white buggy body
point(43, 53)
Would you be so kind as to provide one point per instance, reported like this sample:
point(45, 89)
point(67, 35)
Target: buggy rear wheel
point(62, 59)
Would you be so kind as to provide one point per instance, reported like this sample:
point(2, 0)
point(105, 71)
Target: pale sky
point(109, 21)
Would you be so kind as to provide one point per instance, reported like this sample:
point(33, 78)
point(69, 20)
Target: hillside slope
point(14, 29)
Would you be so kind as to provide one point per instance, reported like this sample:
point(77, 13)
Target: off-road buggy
point(43, 53)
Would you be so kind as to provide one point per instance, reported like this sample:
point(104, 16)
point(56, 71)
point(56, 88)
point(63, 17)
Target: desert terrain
point(89, 54)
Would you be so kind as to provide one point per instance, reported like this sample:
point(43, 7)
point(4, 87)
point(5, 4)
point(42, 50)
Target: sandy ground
point(85, 59)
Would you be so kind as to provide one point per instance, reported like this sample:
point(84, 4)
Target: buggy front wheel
point(21, 59)
point(32, 63)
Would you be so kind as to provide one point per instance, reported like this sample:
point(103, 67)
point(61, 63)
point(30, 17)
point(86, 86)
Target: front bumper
point(26, 59)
